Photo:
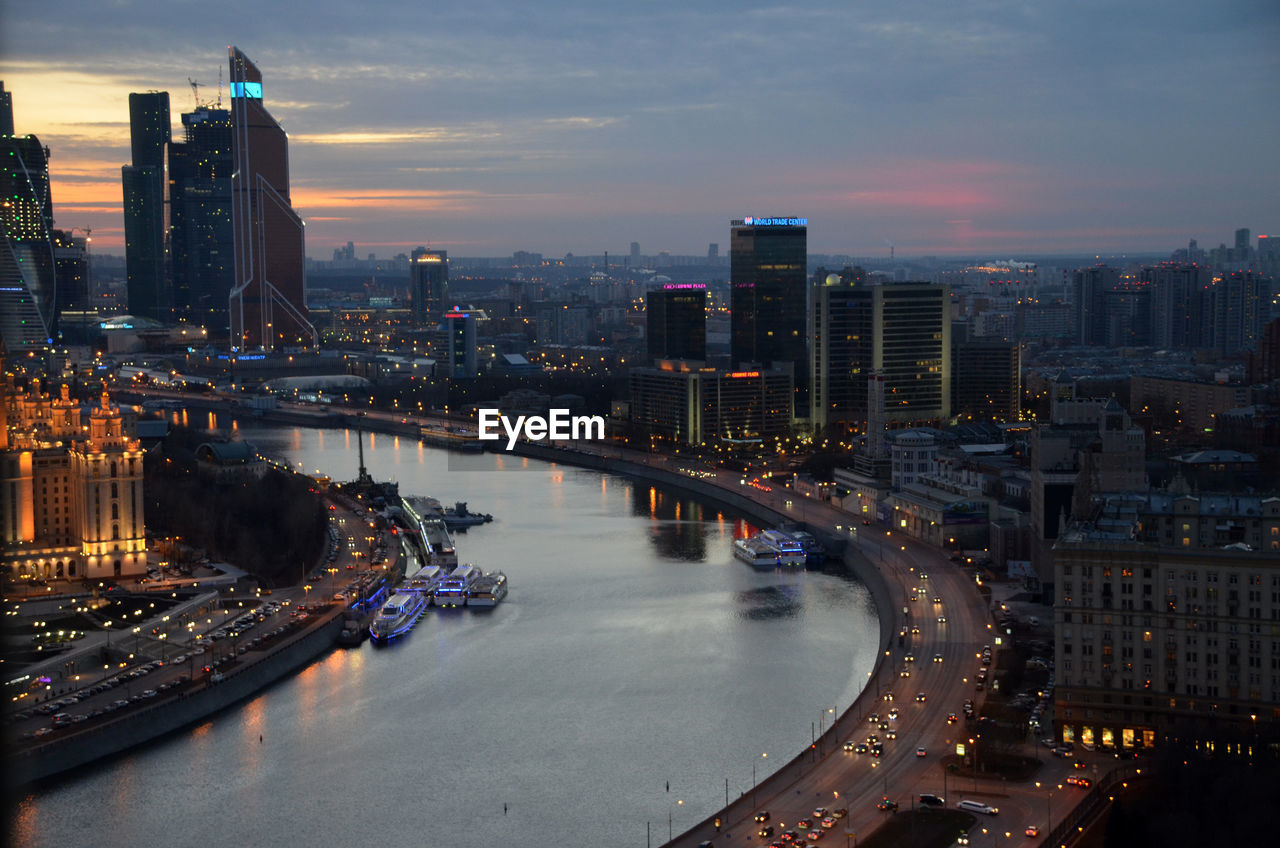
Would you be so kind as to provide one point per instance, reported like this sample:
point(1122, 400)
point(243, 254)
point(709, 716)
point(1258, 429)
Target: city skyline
point(927, 128)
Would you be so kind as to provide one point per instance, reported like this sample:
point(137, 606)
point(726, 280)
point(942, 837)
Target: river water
point(632, 654)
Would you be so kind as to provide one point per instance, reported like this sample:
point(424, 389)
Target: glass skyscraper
point(767, 277)
point(145, 222)
point(268, 309)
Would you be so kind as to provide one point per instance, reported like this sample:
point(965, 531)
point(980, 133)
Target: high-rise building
point(767, 277)
point(1179, 318)
point(71, 501)
point(428, 285)
point(6, 111)
point(1242, 245)
point(202, 241)
point(27, 281)
point(1091, 288)
point(986, 379)
point(268, 301)
point(71, 270)
point(145, 222)
point(901, 330)
point(463, 350)
point(635, 254)
point(1240, 308)
point(676, 321)
point(691, 404)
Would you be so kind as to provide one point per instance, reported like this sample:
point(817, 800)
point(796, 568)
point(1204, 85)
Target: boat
point(424, 581)
point(428, 531)
point(488, 591)
point(458, 517)
point(814, 553)
point(772, 548)
point(452, 590)
point(397, 615)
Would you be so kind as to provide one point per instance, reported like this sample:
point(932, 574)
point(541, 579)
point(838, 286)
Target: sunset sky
point(952, 128)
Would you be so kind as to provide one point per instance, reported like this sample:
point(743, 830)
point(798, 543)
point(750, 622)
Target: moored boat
point(488, 590)
point(771, 549)
point(397, 616)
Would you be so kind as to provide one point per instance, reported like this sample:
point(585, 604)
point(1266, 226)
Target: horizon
point(928, 129)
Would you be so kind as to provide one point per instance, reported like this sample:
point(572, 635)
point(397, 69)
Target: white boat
point(772, 548)
point(488, 591)
point(452, 590)
point(397, 615)
point(424, 581)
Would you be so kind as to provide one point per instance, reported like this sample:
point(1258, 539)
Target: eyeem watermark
point(559, 426)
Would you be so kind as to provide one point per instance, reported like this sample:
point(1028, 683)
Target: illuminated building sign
point(740, 374)
point(684, 286)
point(457, 315)
point(775, 222)
point(252, 90)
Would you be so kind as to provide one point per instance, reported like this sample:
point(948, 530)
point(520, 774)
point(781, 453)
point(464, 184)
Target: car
point(937, 599)
point(884, 725)
point(977, 807)
point(893, 715)
point(840, 812)
point(1064, 752)
point(920, 751)
point(828, 822)
point(818, 813)
point(815, 835)
point(963, 838)
point(789, 836)
point(1032, 830)
point(920, 698)
point(765, 831)
point(952, 718)
point(942, 619)
point(1082, 782)
point(848, 746)
point(888, 696)
point(804, 824)
point(891, 734)
point(928, 800)
point(915, 631)
point(762, 816)
point(909, 658)
point(874, 718)
point(937, 658)
point(906, 672)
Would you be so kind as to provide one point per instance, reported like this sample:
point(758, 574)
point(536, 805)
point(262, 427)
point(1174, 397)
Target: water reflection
point(769, 602)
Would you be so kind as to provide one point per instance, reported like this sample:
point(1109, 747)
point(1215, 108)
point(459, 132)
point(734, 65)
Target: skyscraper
point(676, 321)
point(27, 281)
point(145, 222)
point(1179, 317)
point(1091, 288)
point(767, 278)
point(428, 285)
point(901, 331)
point(268, 301)
point(202, 242)
point(6, 111)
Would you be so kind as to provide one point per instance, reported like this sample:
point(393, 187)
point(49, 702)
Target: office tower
point(1178, 316)
point(767, 278)
point(71, 271)
point(902, 331)
point(676, 321)
point(635, 254)
point(713, 253)
point(145, 223)
point(202, 241)
point(841, 340)
point(691, 405)
point(986, 380)
point(27, 283)
point(1090, 289)
point(268, 301)
point(428, 285)
point(463, 350)
point(6, 111)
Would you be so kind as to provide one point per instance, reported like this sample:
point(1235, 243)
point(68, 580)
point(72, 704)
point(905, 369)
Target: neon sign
point(247, 89)
point(775, 222)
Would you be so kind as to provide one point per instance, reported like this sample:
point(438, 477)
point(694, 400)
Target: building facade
point(202, 241)
point(28, 283)
point(691, 404)
point(145, 221)
point(71, 496)
point(428, 285)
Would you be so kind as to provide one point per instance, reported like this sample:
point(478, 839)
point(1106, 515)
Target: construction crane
point(195, 91)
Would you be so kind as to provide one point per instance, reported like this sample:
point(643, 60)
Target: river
point(633, 654)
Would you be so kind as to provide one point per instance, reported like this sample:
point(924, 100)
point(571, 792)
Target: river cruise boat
point(397, 616)
point(488, 591)
point(452, 589)
point(770, 549)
